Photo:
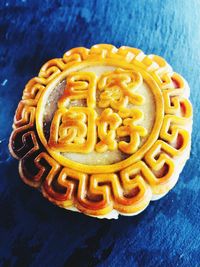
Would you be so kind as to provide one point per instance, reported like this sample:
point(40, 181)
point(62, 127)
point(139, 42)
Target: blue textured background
point(33, 232)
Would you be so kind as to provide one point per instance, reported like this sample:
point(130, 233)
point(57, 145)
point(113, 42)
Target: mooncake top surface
point(103, 130)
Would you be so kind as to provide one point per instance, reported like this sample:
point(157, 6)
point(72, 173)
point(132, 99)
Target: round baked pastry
point(103, 130)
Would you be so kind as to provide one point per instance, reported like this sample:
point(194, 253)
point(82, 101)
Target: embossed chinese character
point(131, 130)
point(80, 86)
point(118, 89)
point(73, 130)
point(107, 124)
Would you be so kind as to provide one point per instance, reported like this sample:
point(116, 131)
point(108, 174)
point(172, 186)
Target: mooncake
point(103, 131)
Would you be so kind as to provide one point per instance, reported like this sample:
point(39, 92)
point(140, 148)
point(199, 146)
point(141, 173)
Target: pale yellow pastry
point(103, 130)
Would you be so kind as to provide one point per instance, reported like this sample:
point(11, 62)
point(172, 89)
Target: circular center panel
point(99, 117)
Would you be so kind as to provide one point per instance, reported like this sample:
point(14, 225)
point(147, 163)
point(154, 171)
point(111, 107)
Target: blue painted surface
point(33, 232)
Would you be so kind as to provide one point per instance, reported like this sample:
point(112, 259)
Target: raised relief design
point(107, 123)
point(69, 131)
point(80, 86)
point(126, 187)
point(131, 130)
point(72, 130)
point(118, 88)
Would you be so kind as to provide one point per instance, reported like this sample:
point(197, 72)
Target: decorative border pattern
point(128, 190)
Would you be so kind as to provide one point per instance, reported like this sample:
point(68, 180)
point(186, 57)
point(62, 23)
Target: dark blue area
point(33, 232)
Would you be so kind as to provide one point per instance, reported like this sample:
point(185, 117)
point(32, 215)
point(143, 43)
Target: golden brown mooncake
point(103, 130)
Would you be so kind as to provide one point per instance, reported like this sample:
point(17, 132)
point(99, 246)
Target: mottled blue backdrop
point(33, 232)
